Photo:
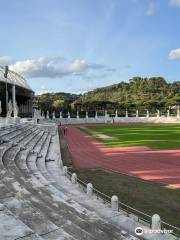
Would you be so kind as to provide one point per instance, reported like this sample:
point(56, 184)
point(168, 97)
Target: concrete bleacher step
point(58, 192)
point(12, 228)
point(32, 236)
point(41, 143)
point(64, 197)
point(18, 138)
point(10, 130)
point(35, 140)
point(32, 167)
point(5, 192)
point(33, 187)
point(65, 224)
point(26, 160)
point(10, 154)
point(59, 234)
point(16, 132)
point(40, 162)
point(36, 163)
point(56, 206)
point(23, 135)
point(29, 215)
point(64, 214)
point(31, 137)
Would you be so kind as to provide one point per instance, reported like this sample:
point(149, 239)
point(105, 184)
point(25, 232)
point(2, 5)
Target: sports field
point(150, 152)
point(118, 158)
point(151, 136)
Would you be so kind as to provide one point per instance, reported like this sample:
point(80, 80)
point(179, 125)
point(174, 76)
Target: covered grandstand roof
point(14, 78)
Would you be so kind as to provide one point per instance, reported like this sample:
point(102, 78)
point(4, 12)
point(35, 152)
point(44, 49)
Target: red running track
point(161, 166)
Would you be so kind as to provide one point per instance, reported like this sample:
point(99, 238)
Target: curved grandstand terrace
point(36, 197)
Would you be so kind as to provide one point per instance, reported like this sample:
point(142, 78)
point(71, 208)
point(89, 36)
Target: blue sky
point(78, 45)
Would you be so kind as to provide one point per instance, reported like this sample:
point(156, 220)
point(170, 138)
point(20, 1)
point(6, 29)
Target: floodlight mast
point(5, 76)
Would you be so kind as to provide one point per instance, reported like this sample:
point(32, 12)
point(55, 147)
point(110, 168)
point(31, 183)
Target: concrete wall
point(99, 120)
point(102, 120)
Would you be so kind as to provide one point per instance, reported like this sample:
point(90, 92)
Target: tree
point(139, 93)
point(57, 104)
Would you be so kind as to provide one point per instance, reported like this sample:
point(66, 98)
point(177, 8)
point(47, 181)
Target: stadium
point(99, 177)
point(23, 92)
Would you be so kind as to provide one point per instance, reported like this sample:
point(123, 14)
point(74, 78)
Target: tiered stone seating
point(32, 199)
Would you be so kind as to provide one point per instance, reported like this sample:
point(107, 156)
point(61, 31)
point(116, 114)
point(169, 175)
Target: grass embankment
point(155, 136)
point(145, 196)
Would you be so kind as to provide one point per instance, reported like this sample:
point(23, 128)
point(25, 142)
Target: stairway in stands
point(32, 203)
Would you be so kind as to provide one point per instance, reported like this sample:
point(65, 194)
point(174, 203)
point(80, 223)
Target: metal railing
point(129, 211)
point(167, 226)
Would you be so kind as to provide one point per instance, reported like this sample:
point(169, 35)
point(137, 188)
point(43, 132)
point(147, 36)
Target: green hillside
point(149, 93)
point(139, 93)
point(45, 101)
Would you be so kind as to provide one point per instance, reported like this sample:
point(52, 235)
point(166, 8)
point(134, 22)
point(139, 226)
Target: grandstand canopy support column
point(14, 97)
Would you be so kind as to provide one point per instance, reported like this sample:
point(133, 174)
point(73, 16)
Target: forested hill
point(153, 92)
point(46, 101)
point(139, 93)
point(61, 95)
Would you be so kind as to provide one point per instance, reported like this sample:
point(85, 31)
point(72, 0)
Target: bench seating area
point(33, 204)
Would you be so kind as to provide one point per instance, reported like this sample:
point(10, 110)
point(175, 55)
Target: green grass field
point(145, 196)
point(155, 136)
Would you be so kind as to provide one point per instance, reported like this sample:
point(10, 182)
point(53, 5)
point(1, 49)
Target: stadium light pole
point(5, 75)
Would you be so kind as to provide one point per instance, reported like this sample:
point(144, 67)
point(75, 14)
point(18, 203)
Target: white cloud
point(5, 60)
point(175, 2)
point(79, 66)
point(41, 67)
point(174, 54)
point(151, 8)
point(44, 90)
point(54, 67)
